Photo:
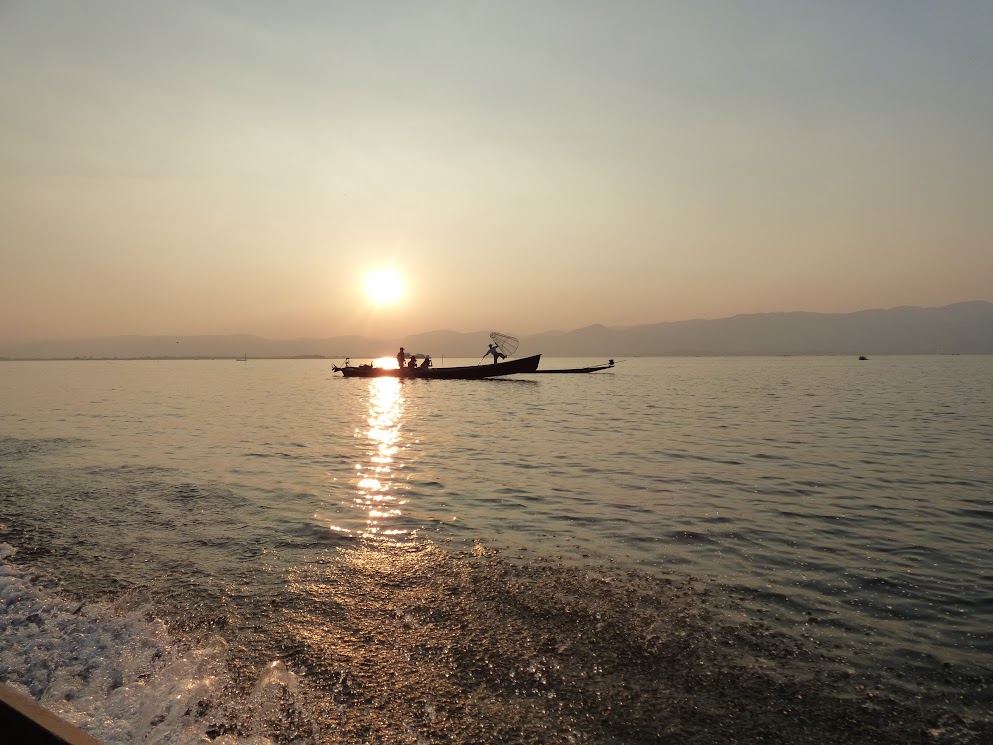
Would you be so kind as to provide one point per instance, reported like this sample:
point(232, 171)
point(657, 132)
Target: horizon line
point(39, 339)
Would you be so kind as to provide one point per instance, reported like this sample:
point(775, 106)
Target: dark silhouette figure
point(497, 354)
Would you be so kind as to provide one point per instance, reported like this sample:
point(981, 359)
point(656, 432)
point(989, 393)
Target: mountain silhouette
point(962, 328)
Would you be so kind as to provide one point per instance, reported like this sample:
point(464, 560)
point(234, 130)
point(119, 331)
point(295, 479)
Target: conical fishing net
point(506, 344)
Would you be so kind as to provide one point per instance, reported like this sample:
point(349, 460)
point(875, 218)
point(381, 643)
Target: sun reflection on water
point(376, 485)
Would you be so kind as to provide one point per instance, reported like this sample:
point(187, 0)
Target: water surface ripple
point(679, 550)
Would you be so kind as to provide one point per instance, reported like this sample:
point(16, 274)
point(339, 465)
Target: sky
point(242, 166)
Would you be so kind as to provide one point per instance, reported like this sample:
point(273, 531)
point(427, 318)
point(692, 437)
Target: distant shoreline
point(165, 358)
point(958, 328)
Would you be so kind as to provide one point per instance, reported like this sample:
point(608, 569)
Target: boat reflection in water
point(376, 495)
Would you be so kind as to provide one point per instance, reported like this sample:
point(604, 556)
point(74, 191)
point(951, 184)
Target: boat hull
point(591, 369)
point(473, 372)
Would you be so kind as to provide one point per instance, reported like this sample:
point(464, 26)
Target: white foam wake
point(121, 678)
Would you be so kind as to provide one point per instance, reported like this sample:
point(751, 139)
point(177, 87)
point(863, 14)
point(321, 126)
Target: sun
point(384, 286)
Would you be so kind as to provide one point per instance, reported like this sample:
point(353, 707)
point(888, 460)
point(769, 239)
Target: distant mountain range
point(962, 328)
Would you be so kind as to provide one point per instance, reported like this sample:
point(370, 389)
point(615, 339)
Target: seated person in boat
point(412, 364)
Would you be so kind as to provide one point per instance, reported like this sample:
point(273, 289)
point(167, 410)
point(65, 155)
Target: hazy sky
point(240, 167)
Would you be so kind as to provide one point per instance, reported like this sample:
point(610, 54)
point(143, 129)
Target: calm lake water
point(678, 550)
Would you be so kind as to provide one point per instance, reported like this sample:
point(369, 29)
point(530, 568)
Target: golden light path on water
point(377, 489)
point(408, 641)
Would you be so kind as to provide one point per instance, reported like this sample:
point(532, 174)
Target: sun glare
point(384, 286)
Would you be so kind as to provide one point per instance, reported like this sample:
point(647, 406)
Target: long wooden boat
point(594, 368)
point(470, 372)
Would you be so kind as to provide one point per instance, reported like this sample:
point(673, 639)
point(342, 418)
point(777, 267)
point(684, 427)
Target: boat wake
point(123, 678)
point(412, 642)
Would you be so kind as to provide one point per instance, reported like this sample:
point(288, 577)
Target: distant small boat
point(594, 368)
point(243, 358)
point(863, 357)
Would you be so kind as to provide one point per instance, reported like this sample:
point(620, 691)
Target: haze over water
point(190, 169)
point(680, 550)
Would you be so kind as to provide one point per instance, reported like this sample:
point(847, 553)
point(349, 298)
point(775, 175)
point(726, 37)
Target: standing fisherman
point(401, 358)
point(495, 351)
